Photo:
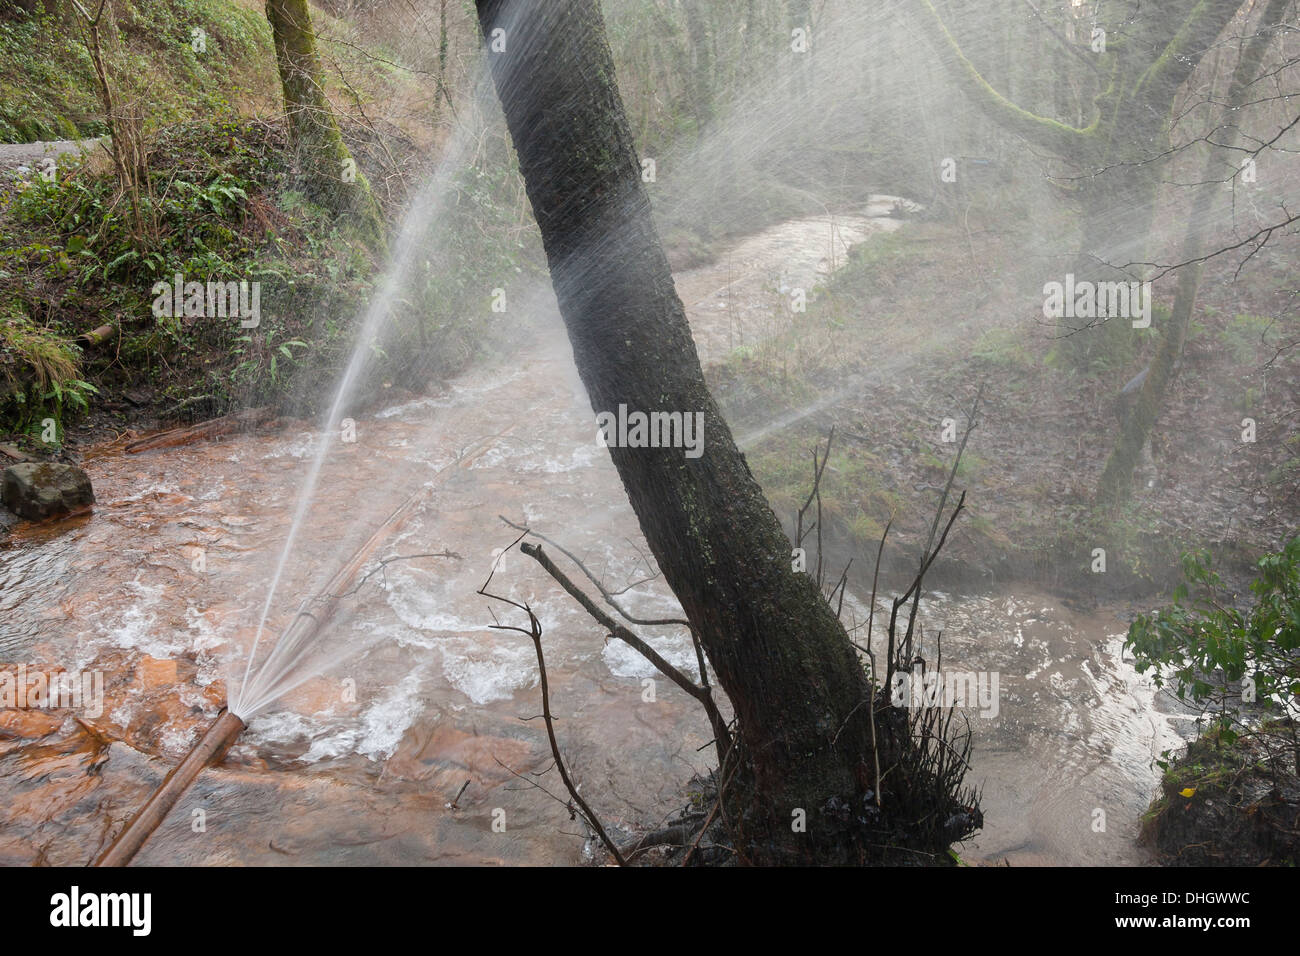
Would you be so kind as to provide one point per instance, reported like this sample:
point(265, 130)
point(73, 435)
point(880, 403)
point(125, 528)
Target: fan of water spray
point(309, 645)
point(715, 172)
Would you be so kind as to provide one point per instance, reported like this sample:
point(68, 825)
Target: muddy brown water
point(160, 589)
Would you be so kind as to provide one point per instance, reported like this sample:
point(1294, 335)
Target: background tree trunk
point(1122, 153)
point(702, 69)
point(1117, 479)
point(330, 171)
point(779, 651)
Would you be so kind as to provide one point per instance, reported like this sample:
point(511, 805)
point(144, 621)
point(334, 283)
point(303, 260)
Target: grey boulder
point(45, 489)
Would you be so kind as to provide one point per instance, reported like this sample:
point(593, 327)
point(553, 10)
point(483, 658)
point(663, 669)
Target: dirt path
point(24, 159)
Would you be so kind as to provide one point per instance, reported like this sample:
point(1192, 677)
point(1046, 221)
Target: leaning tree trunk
point(779, 651)
point(332, 176)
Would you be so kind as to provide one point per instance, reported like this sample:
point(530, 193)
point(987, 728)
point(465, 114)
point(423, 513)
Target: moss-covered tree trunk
point(332, 176)
point(1143, 60)
point(779, 651)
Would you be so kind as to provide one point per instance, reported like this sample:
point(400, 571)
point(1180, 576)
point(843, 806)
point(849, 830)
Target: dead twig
point(535, 633)
point(701, 694)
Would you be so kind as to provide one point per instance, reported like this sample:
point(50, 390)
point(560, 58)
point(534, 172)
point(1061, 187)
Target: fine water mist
point(284, 668)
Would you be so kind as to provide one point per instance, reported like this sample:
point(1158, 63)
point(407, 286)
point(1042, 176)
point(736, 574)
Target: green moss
point(47, 81)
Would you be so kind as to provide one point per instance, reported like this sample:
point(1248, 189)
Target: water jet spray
point(276, 676)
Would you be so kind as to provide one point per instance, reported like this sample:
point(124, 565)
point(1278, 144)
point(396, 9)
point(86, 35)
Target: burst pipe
point(212, 746)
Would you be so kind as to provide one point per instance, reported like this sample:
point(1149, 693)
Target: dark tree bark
point(779, 651)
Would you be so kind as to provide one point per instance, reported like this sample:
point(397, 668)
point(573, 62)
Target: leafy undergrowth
point(219, 209)
point(221, 203)
point(222, 206)
point(39, 374)
point(1234, 797)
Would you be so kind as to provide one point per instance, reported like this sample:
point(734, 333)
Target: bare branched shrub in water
point(913, 803)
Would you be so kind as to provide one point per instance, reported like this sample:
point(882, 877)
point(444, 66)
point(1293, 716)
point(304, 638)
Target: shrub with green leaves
point(1202, 644)
point(40, 375)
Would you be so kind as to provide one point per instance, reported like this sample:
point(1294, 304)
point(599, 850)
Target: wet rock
point(37, 490)
point(28, 724)
point(152, 672)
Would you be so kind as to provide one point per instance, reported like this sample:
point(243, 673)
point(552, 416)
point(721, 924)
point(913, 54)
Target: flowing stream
point(163, 587)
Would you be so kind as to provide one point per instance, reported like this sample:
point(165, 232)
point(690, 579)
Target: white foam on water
point(192, 696)
point(281, 726)
point(649, 601)
point(137, 628)
point(385, 722)
point(401, 411)
point(123, 713)
point(206, 636)
point(375, 733)
point(425, 611)
point(625, 661)
point(153, 490)
point(177, 740)
point(217, 492)
point(306, 445)
point(580, 457)
point(496, 455)
point(491, 667)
